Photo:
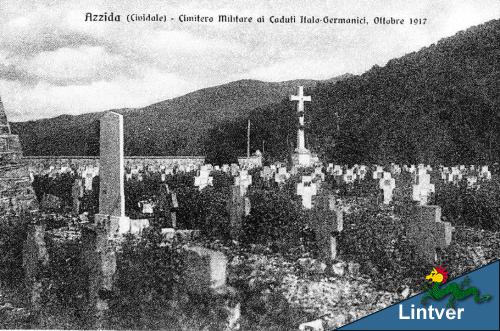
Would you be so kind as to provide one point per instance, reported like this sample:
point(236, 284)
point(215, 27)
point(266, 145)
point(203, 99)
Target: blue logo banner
point(410, 314)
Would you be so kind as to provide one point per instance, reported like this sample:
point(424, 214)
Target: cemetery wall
point(34, 162)
point(250, 162)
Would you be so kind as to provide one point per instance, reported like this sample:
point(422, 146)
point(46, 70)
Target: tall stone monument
point(16, 193)
point(302, 157)
point(111, 175)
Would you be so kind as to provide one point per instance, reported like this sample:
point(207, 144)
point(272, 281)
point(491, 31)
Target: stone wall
point(37, 164)
point(253, 161)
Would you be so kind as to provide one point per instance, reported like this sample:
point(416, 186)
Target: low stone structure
point(254, 161)
point(16, 193)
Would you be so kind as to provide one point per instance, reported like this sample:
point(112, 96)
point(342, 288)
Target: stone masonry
point(16, 193)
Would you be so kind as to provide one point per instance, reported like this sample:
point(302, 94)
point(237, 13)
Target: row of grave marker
point(308, 186)
point(279, 172)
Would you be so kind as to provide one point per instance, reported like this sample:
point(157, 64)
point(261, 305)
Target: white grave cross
point(423, 188)
point(307, 190)
point(243, 181)
point(378, 173)
point(203, 180)
point(387, 184)
point(281, 176)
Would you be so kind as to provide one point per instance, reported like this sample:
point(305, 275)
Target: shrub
point(13, 232)
point(475, 207)
point(378, 242)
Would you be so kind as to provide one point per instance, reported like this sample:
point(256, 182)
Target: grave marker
point(349, 176)
point(237, 207)
point(378, 173)
point(204, 271)
point(203, 179)
point(423, 188)
point(266, 173)
point(327, 223)
point(281, 176)
point(307, 190)
point(243, 181)
point(77, 194)
point(387, 184)
point(427, 232)
point(111, 175)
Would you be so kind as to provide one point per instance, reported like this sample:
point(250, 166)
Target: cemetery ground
point(277, 274)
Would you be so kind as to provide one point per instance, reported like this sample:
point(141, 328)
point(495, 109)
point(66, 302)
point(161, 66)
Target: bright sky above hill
point(52, 62)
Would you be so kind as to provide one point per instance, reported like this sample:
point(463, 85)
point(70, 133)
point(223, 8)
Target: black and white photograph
point(245, 165)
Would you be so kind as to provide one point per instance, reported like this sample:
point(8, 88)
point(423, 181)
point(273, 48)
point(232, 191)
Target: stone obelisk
point(111, 175)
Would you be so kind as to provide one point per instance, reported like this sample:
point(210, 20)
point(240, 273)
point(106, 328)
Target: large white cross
point(307, 189)
point(301, 98)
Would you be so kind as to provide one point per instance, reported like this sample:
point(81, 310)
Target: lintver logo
point(437, 291)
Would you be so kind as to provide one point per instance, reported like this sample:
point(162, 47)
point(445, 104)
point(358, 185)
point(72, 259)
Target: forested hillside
point(437, 105)
point(177, 126)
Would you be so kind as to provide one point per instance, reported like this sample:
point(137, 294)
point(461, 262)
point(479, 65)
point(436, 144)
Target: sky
point(52, 62)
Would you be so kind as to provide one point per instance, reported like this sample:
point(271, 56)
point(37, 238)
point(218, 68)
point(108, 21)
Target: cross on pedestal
point(243, 181)
point(427, 232)
point(387, 184)
point(327, 223)
point(237, 207)
point(423, 188)
point(301, 98)
point(307, 190)
point(203, 179)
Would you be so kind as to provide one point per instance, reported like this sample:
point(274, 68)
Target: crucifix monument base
point(302, 158)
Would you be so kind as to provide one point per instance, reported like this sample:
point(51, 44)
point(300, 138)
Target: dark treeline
point(437, 105)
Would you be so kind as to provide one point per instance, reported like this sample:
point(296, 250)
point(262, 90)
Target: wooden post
point(248, 139)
